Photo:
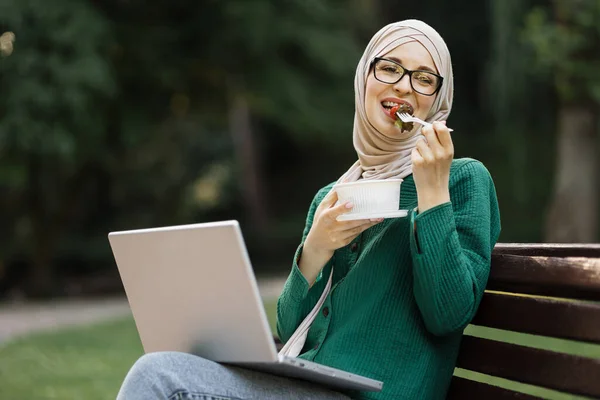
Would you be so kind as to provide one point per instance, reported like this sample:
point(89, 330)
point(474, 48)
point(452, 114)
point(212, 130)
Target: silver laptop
point(191, 288)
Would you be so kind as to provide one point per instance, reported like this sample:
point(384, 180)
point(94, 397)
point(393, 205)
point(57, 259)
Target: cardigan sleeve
point(297, 299)
point(451, 248)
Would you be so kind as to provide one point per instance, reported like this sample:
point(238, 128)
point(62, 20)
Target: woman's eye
point(424, 78)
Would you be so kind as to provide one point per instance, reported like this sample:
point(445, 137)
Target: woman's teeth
point(402, 107)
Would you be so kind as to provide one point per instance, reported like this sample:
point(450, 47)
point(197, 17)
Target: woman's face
point(379, 96)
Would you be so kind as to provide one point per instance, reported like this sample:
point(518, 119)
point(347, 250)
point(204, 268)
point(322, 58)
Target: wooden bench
point(551, 290)
point(542, 289)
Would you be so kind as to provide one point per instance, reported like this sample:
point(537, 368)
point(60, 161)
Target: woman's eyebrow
point(420, 67)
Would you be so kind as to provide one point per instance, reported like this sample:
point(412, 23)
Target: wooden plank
point(461, 389)
point(563, 372)
point(570, 277)
point(562, 319)
point(591, 250)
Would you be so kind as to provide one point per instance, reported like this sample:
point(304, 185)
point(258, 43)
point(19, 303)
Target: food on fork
point(404, 108)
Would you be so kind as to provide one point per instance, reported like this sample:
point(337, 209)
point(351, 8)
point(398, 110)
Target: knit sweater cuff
point(431, 227)
point(297, 286)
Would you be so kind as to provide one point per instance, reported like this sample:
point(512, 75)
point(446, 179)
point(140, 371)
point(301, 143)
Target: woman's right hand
point(327, 234)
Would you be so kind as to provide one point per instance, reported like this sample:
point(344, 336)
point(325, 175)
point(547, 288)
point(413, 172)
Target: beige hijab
point(380, 156)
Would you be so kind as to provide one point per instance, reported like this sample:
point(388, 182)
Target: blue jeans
point(181, 376)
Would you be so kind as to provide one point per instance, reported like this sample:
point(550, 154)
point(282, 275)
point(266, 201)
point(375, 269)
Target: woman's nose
point(403, 85)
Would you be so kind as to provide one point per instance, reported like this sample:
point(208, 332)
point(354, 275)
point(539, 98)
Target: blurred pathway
point(22, 318)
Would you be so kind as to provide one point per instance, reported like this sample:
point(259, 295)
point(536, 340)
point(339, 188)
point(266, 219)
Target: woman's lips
point(404, 106)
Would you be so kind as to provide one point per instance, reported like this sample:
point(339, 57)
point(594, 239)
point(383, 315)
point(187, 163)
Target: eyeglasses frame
point(406, 71)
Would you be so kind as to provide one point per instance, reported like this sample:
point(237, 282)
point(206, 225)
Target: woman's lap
point(180, 376)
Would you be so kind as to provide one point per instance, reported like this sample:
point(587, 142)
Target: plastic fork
point(405, 117)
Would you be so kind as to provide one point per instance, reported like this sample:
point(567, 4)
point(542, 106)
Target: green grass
point(85, 363)
point(90, 363)
point(80, 363)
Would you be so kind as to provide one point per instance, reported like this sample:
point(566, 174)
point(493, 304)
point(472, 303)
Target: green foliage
point(54, 92)
point(507, 60)
point(519, 152)
point(567, 46)
point(116, 115)
point(54, 86)
point(296, 59)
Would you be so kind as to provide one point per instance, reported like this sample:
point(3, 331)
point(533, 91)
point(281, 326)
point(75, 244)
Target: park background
point(124, 114)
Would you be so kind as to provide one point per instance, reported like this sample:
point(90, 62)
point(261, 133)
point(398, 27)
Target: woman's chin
point(391, 132)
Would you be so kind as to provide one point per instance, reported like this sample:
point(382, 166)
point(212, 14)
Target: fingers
point(443, 136)
point(432, 141)
point(349, 227)
point(330, 199)
point(336, 211)
point(416, 158)
point(348, 235)
point(343, 226)
point(436, 145)
point(424, 151)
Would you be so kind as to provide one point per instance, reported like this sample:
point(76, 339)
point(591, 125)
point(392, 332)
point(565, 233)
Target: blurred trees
point(122, 115)
point(521, 103)
point(51, 135)
point(566, 41)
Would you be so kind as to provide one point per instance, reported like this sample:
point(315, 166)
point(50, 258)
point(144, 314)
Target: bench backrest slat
point(569, 277)
point(559, 371)
point(574, 320)
point(461, 389)
point(588, 250)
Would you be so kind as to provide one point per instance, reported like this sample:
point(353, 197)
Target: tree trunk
point(40, 277)
point(573, 212)
point(246, 154)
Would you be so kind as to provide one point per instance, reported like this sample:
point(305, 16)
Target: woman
point(403, 289)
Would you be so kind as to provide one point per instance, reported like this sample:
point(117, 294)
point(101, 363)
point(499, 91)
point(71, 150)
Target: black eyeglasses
point(388, 71)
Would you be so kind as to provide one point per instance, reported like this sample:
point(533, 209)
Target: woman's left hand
point(431, 162)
